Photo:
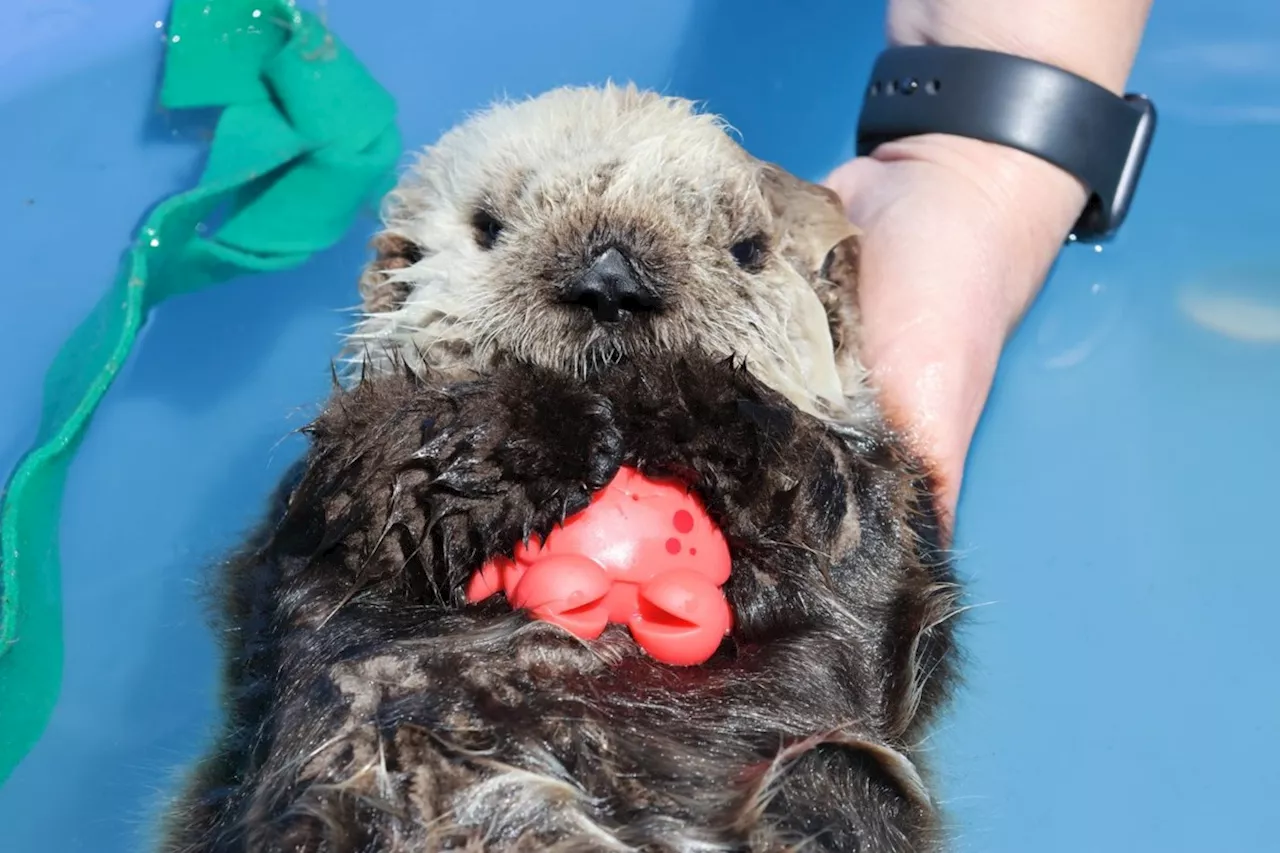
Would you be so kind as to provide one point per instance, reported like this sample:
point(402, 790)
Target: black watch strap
point(1045, 111)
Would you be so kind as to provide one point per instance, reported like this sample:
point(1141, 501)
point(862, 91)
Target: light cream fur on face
point(575, 171)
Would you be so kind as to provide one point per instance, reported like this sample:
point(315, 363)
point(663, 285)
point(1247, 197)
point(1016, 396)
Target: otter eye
point(750, 253)
point(487, 228)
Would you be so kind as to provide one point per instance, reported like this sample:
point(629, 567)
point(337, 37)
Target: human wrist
point(1095, 39)
point(1020, 205)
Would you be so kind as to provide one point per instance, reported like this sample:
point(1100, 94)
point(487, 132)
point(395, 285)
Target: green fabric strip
point(305, 140)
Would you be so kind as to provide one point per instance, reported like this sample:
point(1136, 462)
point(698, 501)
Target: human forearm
point(1097, 39)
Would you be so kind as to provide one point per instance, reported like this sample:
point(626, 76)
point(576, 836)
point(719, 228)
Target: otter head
point(591, 225)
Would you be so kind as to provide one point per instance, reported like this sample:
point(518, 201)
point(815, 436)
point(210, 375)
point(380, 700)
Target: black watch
point(1045, 111)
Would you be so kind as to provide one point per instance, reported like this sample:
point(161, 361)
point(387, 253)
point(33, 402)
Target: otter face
point(590, 225)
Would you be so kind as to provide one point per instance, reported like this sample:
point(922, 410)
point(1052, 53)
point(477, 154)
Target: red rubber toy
point(644, 554)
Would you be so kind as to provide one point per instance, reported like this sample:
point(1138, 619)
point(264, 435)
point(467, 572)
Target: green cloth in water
point(305, 140)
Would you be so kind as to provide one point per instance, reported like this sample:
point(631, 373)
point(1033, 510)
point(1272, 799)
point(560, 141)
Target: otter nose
point(609, 286)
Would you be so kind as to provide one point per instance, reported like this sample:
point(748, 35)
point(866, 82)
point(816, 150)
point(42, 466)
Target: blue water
point(1122, 693)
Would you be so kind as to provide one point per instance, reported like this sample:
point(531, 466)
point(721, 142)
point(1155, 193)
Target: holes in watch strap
point(905, 86)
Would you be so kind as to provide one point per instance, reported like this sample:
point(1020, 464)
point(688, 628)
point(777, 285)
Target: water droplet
point(257, 13)
point(1097, 248)
point(1071, 238)
point(176, 39)
point(159, 25)
point(155, 242)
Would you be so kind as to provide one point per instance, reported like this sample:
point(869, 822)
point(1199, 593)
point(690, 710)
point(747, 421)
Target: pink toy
point(643, 553)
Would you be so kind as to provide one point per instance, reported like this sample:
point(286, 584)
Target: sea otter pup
point(592, 278)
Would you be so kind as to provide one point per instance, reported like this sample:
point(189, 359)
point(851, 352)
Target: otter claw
point(488, 581)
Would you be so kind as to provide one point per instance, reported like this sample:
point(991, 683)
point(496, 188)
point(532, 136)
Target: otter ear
point(379, 290)
point(813, 234)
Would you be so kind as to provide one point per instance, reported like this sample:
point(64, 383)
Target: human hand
point(958, 238)
point(959, 233)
